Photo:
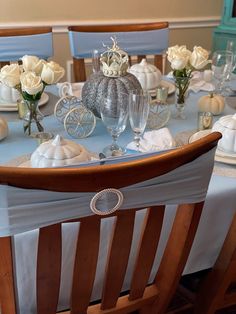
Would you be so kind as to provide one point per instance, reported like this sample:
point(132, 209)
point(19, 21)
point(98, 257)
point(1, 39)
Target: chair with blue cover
point(40, 202)
point(17, 42)
point(136, 39)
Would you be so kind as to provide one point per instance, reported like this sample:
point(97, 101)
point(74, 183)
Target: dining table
point(218, 211)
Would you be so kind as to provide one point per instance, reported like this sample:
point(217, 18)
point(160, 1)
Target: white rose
point(52, 72)
point(199, 58)
point(179, 63)
point(32, 63)
point(178, 57)
point(10, 75)
point(31, 83)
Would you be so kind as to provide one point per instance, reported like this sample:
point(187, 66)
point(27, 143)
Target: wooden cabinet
point(227, 28)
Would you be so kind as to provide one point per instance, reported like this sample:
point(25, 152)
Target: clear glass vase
point(181, 84)
point(32, 116)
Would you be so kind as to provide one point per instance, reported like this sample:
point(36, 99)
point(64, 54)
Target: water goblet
point(222, 62)
point(114, 114)
point(138, 113)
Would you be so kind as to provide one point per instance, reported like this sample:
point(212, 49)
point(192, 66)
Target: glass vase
point(181, 84)
point(32, 116)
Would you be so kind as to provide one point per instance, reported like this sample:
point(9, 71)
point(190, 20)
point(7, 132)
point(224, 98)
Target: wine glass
point(138, 113)
point(114, 114)
point(95, 61)
point(222, 62)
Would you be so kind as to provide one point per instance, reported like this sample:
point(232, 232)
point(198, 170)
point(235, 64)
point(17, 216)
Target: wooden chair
point(146, 297)
point(218, 289)
point(136, 39)
point(16, 42)
point(212, 290)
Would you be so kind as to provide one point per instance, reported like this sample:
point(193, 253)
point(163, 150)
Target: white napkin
point(201, 81)
point(71, 89)
point(154, 141)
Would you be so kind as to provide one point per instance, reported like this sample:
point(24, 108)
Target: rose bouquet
point(184, 62)
point(30, 79)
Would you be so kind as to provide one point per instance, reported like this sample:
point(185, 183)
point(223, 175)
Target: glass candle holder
point(205, 120)
point(42, 137)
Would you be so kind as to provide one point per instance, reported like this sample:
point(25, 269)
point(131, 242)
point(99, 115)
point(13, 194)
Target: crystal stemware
point(222, 62)
point(138, 113)
point(114, 113)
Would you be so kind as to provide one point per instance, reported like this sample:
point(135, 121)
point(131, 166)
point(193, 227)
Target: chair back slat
point(48, 269)
point(7, 300)
point(147, 251)
point(176, 251)
point(118, 258)
point(85, 264)
point(79, 69)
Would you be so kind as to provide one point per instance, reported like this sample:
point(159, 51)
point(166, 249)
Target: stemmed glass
point(138, 113)
point(95, 61)
point(114, 114)
point(222, 62)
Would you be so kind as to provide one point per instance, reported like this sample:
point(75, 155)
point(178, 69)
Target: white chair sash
point(134, 43)
point(12, 48)
point(23, 209)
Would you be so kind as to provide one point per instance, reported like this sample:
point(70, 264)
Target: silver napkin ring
point(101, 194)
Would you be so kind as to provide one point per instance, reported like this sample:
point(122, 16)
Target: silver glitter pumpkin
point(112, 81)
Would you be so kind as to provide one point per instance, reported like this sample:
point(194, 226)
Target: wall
point(58, 11)
point(191, 21)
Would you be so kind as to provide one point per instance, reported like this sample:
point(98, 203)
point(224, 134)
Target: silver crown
point(114, 61)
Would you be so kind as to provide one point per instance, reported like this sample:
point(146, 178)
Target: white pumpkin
point(3, 128)
point(8, 94)
point(148, 74)
point(59, 152)
point(227, 127)
point(212, 103)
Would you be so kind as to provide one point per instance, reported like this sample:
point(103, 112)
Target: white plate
point(198, 135)
point(225, 160)
point(13, 106)
point(220, 155)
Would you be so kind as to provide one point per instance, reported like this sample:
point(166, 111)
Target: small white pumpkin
point(212, 103)
point(3, 128)
point(59, 152)
point(226, 125)
point(148, 74)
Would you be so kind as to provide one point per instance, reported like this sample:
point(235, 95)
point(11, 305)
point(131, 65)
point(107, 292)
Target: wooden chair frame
point(149, 299)
point(79, 64)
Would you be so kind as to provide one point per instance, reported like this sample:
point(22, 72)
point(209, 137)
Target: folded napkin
point(199, 81)
point(71, 89)
point(154, 141)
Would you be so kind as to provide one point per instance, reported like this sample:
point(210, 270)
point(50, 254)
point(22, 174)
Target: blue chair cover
point(23, 209)
point(134, 43)
point(12, 48)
